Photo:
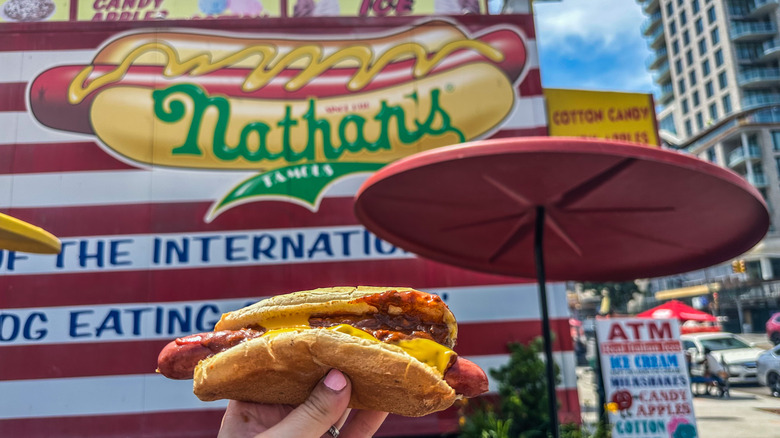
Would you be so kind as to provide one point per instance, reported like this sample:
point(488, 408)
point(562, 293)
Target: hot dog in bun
point(395, 344)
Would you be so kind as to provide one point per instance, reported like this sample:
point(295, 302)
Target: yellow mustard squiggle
point(260, 76)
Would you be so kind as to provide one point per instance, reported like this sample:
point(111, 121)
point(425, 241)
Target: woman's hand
point(326, 407)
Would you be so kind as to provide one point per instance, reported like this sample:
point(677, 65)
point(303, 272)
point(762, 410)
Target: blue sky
point(593, 45)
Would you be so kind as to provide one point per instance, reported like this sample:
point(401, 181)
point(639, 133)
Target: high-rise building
point(717, 64)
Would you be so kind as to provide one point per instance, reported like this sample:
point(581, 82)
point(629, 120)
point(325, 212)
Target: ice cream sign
point(300, 112)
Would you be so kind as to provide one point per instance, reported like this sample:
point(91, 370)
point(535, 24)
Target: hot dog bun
point(285, 368)
point(285, 364)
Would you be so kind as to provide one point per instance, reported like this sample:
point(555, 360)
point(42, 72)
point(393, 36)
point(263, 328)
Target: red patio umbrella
point(678, 310)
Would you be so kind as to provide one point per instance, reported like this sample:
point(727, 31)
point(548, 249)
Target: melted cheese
point(300, 320)
point(426, 351)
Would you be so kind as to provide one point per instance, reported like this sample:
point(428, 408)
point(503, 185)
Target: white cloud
point(602, 21)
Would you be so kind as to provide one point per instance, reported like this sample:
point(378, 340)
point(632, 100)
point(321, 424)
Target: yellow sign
point(380, 8)
point(602, 114)
point(134, 10)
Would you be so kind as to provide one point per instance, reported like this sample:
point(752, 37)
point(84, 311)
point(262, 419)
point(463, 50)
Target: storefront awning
point(686, 292)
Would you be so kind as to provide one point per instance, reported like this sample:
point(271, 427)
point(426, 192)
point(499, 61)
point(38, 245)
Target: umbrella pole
point(541, 278)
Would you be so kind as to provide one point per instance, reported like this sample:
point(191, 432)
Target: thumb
point(319, 412)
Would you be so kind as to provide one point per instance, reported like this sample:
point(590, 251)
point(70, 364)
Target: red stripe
point(183, 217)
point(532, 83)
point(57, 157)
point(12, 96)
point(26, 291)
point(205, 423)
point(88, 35)
point(21, 158)
point(48, 361)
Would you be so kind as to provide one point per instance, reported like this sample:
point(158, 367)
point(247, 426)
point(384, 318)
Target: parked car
point(738, 355)
point(769, 370)
point(773, 328)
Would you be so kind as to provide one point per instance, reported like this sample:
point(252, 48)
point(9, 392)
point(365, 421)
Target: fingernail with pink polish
point(335, 380)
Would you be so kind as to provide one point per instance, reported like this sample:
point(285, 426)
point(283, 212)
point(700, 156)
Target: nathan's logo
point(309, 111)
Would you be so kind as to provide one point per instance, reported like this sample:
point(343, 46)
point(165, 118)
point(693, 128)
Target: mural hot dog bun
point(425, 86)
point(395, 344)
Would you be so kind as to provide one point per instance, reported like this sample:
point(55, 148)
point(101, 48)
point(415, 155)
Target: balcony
point(760, 99)
point(757, 179)
point(650, 23)
point(737, 156)
point(759, 77)
point(771, 49)
point(657, 40)
point(648, 6)
point(657, 58)
point(662, 74)
point(754, 9)
point(667, 93)
point(744, 31)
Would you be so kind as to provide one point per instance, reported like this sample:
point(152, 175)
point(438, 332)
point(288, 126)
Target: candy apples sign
point(296, 109)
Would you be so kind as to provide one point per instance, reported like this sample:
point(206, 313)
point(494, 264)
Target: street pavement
point(753, 414)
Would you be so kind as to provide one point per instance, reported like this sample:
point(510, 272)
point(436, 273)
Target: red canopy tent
point(683, 312)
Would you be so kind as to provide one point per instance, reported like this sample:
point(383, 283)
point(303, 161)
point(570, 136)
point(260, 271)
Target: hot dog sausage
point(466, 378)
point(178, 359)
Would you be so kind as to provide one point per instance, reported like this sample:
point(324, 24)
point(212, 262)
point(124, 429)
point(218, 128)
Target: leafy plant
point(521, 410)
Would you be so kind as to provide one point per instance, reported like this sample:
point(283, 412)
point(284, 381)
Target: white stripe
point(160, 185)
point(215, 249)
point(145, 393)
point(528, 112)
point(155, 321)
point(24, 66)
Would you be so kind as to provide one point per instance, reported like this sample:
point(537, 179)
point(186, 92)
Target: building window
point(711, 156)
point(669, 9)
point(678, 66)
point(709, 90)
point(686, 38)
point(688, 128)
point(726, 104)
point(680, 2)
point(776, 140)
point(672, 28)
point(702, 46)
point(722, 80)
point(684, 105)
point(699, 26)
point(675, 47)
point(681, 86)
point(692, 77)
point(777, 163)
point(689, 58)
point(695, 6)
point(715, 36)
point(705, 67)
point(695, 97)
point(699, 121)
point(713, 111)
point(710, 14)
point(683, 19)
point(718, 58)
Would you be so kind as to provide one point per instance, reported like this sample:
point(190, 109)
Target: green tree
point(619, 293)
point(522, 410)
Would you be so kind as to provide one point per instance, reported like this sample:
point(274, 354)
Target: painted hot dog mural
point(262, 103)
point(192, 167)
